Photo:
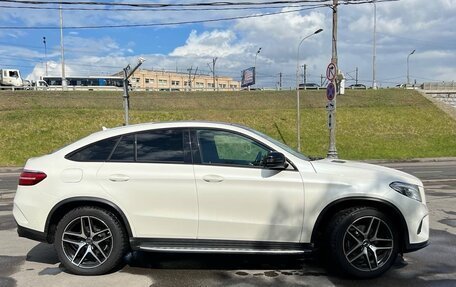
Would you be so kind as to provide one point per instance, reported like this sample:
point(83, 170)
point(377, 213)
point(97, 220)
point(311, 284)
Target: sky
point(402, 26)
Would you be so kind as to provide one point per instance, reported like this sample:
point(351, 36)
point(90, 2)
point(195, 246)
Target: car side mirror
point(275, 160)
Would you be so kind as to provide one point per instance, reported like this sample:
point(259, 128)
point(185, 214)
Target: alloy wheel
point(368, 243)
point(87, 242)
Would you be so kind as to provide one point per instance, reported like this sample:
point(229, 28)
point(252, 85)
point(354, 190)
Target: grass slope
point(384, 124)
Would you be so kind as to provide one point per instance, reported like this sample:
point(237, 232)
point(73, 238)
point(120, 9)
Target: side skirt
point(218, 246)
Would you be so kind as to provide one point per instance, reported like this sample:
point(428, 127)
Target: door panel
point(249, 204)
point(160, 199)
point(240, 200)
point(155, 184)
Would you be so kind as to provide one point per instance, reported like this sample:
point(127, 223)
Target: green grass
point(384, 124)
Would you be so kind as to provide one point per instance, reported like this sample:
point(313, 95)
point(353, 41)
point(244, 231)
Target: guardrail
point(445, 86)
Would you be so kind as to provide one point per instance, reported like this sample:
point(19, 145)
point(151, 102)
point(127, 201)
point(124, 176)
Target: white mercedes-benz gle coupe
point(214, 187)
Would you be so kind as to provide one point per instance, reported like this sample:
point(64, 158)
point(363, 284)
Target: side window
point(221, 147)
point(160, 146)
point(98, 151)
point(125, 150)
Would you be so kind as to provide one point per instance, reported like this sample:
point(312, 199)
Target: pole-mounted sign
point(331, 72)
point(330, 91)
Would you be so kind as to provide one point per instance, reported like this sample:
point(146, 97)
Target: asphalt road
point(27, 263)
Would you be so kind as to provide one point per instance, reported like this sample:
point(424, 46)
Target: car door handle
point(213, 178)
point(118, 177)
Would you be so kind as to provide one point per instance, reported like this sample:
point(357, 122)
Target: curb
point(412, 160)
point(14, 169)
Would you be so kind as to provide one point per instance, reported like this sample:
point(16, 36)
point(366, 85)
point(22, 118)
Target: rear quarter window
point(98, 151)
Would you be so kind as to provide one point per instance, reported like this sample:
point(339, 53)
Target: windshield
point(280, 144)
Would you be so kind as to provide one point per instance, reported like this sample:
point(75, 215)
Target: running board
point(218, 246)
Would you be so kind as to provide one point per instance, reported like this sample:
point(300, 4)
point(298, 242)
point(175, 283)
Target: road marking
point(5, 174)
point(430, 171)
point(439, 180)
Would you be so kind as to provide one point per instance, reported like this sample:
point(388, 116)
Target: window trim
point(185, 145)
point(187, 153)
point(197, 160)
point(70, 154)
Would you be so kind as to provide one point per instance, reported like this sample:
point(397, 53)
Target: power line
point(347, 2)
point(156, 9)
point(163, 5)
point(156, 24)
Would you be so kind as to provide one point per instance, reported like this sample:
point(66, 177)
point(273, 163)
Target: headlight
point(409, 190)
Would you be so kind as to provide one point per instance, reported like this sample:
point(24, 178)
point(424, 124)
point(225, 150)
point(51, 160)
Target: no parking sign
point(330, 91)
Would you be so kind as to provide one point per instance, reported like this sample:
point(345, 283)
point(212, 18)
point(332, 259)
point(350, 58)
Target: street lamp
point(259, 50)
point(45, 55)
point(254, 63)
point(298, 113)
point(408, 70)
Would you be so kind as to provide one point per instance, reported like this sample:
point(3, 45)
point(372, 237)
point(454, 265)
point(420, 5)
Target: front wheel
point(90, 241)
point(363, 242)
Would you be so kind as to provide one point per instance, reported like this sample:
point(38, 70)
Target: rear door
point(150, 174)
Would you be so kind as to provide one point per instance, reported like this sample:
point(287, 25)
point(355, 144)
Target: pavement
point(28, 263)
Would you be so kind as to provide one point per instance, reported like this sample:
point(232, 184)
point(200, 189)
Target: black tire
point(355, 235)
point(90, 241)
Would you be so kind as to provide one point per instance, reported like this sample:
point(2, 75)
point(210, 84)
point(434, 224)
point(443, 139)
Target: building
point(151, 80)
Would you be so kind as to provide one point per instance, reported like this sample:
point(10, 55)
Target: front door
point(238, 198)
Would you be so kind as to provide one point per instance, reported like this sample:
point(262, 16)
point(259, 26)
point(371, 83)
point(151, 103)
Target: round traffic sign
point(330, 91)
point(331, 72)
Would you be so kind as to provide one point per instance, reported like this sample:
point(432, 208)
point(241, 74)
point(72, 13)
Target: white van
point(10, 77)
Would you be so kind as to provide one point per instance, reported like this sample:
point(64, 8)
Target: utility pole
point(64, 83)
point(280, 81)
point(356, 77)
point(332, 151)
point(374, 48)
point(214, 60)
point(128, 72)
point(304, 75)
point(194, 75)
point(189, 83)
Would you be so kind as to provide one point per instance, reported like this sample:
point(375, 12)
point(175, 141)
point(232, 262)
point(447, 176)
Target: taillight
point(31, 177)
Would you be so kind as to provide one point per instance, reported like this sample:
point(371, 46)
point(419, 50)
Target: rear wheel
point(90, 241)
point(363, 242)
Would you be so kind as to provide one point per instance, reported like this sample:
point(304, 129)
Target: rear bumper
point(31, 234)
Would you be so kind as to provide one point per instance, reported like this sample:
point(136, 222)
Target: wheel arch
point(59, 210)
point(388, 208)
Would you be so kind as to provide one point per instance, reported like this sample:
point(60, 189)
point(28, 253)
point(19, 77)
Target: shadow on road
point(216, 261)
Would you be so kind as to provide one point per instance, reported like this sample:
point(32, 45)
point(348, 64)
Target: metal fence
point(441, 86)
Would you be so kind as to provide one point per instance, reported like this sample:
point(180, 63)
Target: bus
point(89, 82)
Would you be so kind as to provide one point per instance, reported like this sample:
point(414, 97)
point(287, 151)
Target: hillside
point(384, 124)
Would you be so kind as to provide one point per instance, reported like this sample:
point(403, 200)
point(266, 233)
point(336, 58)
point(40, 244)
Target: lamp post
point(259, 50)
point(298, 113)
point(254, 64)
point(408, 70)
point(374, 48)
point(45, 55)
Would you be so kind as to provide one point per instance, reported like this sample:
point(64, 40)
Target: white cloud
point(54, 69)
point(215, 43)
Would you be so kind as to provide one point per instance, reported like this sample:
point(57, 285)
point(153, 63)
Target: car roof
point(116, 131)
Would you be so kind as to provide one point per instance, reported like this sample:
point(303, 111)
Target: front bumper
point(415, 246)
point(31, 234)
